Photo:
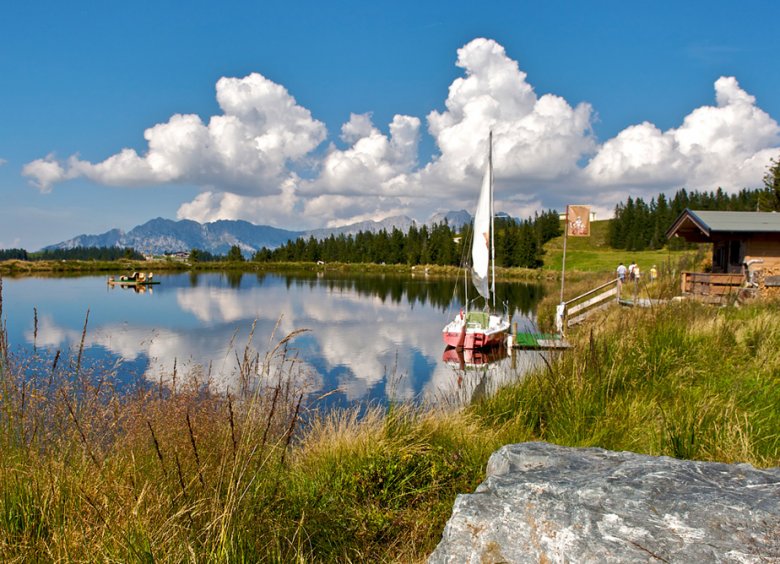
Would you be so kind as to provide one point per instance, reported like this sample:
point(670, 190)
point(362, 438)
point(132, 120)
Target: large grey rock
point(545, 503)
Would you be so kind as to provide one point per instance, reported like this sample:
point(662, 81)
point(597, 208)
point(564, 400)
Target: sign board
point(578, 221)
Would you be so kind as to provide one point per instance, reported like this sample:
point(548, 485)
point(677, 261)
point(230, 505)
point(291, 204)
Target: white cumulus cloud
point(245, 150)
point(727, 145)
point(534, 137)
point(372, 161)
point(263, 159)
point(45, 172)
point(354, 183)
point(273, 209)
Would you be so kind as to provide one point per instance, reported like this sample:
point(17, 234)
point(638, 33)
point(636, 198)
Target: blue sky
point(308, 114)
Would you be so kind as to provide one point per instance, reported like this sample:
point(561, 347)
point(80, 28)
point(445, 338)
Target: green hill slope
point(593, 254)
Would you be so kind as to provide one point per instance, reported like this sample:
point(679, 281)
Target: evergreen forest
point(76, 253)
point(518, 243)
point(638, 226)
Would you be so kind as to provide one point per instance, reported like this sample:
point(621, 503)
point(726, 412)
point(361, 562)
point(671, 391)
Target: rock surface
point(545, 503)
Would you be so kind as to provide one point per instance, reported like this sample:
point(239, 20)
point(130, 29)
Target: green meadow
point(593, 254)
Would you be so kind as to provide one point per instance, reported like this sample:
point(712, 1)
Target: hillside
point(593, 254)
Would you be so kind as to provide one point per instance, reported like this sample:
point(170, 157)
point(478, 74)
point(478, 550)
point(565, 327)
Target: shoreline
point(19, 268)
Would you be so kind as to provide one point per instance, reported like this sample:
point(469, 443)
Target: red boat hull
point(473, 340)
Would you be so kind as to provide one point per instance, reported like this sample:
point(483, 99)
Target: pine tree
point(234, 254)
point(772, 185)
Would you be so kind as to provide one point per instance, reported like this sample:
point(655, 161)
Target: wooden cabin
point(745, 248)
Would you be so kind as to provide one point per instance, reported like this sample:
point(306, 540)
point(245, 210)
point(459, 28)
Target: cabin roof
point(700, 226)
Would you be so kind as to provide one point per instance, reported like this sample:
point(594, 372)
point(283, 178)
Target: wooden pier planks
point(526, 340)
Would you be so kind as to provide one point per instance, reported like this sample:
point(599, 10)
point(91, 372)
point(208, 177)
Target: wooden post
point(565, 236)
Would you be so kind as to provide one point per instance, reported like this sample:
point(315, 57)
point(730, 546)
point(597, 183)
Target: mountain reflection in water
point(369, 338)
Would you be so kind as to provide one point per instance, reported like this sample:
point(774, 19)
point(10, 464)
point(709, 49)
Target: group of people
point(632, 272)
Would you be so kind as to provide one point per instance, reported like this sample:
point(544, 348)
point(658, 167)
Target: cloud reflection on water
point(368, 346)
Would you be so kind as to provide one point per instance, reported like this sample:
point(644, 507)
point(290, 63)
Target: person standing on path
point(634, 274)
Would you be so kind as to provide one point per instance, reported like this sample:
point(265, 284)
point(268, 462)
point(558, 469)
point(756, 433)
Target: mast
point(563, 262)
point(466, 281)
point(492, 220)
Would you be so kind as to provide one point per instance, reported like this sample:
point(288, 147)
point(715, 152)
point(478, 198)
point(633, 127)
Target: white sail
point(480, 250)
point(480, 329)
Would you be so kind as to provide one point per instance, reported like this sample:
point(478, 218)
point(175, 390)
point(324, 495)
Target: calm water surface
point(368, 338)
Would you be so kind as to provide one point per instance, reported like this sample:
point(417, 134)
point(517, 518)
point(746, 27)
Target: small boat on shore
point(134, 279)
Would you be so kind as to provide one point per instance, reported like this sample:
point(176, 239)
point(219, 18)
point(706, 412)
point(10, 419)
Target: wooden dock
point(539, 341)
point(641, 302)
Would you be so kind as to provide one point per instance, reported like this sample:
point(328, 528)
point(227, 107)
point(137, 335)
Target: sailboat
point(481, 328)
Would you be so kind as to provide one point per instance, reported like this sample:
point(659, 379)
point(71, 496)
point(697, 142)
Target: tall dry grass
point(92, 473)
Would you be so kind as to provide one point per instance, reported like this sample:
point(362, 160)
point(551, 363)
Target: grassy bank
point(161, 474)
point(65, 267)
point(11, 268)
point(684, 380)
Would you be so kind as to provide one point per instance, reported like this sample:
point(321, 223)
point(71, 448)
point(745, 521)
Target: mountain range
point(159, 236)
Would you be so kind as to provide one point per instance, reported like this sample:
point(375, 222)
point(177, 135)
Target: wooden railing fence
point(576, 310)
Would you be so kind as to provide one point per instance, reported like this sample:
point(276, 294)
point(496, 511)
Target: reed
point(380, 486)
point(89, 472)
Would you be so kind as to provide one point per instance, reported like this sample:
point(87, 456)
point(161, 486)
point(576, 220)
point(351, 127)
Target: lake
point(372, 338)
